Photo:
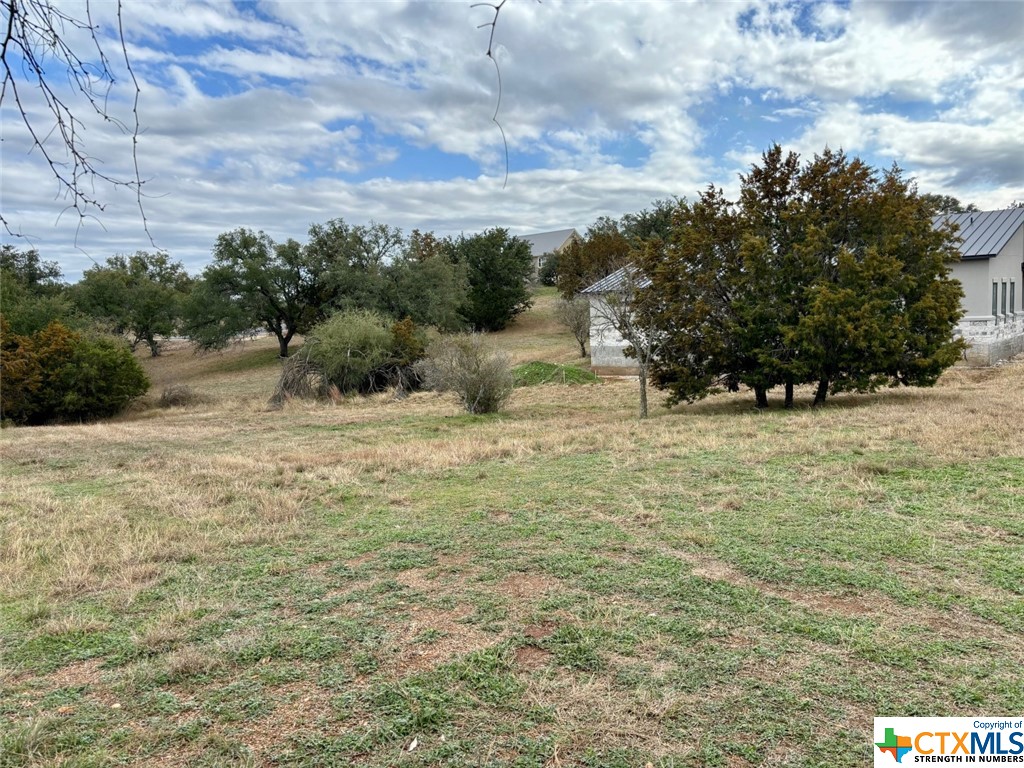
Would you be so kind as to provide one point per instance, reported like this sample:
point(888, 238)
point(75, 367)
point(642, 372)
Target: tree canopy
point(141, 295)
point(255, 283)
point(826, 272)
point(33, 293)
point(498, 269)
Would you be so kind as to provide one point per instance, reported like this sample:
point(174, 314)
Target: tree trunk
point(583, 349)
point(789, 394)
point(282, 343)
point(154, 346)
point(822, 392)
point(761, 395)
point(643, 392)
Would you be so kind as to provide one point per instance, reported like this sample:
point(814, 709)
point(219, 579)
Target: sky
point(278, 115)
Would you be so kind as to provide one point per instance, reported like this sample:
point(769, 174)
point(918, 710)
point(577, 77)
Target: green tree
point(689, 301)
point(431, 291)
point(351, 260)
point(828, 273)
point(140, 295)
point(650, 223)
point(939, 204)
point(883, 307)
point(768, 283)
point(256, 283)
point(603, 250)
point(498, 270)
point(33, 293)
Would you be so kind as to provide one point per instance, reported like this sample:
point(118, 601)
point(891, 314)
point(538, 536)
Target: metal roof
point(616, 281)
point(548, 242)
point(983, 234)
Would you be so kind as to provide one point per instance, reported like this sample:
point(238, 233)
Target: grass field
point(384, 582)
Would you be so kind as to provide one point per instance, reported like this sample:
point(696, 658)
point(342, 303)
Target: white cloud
point(280, 114)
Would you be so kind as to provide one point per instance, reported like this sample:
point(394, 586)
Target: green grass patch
point(537, 372)
point(248, 360)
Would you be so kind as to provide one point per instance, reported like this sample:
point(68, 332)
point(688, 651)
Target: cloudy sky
point(276, 115)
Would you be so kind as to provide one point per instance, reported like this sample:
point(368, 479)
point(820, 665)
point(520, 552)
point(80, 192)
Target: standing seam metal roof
point(983, 233)
point(616, 282)
point(547, 242)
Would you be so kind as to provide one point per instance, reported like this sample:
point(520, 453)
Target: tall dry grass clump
point(182, 396)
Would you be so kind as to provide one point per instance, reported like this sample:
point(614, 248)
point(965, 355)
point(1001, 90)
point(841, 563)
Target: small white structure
point(544, 244)
point(607, 347)
point(991, 270)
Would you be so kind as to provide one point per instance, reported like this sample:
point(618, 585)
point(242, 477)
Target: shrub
point(356, 351)
point(180, 396)
point(350, 346)
point(59, 375)
point(549, 269)
point(481, 379)
point(574, 314)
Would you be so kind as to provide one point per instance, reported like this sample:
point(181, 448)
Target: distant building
point(544, 244)
point(991, 270)
point(607, 347)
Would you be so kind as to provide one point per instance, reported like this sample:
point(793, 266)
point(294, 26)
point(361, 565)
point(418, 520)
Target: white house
point(991, 270)
point(543, 244)
point(607, 347)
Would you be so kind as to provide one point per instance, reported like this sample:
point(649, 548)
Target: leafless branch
point(493, 24)
point(38, 43)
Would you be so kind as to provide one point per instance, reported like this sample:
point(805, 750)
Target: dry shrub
point(181, 396)
point(304, 379)
point(481, 379)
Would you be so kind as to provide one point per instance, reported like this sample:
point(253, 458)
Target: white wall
point(1000, 336)
point(606, 344)
point(977, 276)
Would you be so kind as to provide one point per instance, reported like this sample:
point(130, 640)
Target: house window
point(1013, 297)
point(1002, 305)
point(995, 298)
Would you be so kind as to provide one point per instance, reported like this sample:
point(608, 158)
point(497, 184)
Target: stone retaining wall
point(992, 338)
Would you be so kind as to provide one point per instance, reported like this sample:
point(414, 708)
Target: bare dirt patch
point(355, 562)
point(530, 657)
point(540, 631)
point(76, 675)
point(590, 710)
point(880, 608)
point(527, 586)
point(300, 707)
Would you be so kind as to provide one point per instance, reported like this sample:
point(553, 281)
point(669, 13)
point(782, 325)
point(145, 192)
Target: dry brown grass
point(102, 506)
point(443, 533)
point(537, 335)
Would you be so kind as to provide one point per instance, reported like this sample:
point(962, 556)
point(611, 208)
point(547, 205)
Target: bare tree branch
point(39, 41)
point(493, 24)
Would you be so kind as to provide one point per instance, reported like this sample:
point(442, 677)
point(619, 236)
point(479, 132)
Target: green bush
point(549, 270)
point(350, 346)
point(481, 379)
point(353, 352)
point(60, 375)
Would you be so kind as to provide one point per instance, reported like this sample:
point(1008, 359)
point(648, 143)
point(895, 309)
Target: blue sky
point(277, 115)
